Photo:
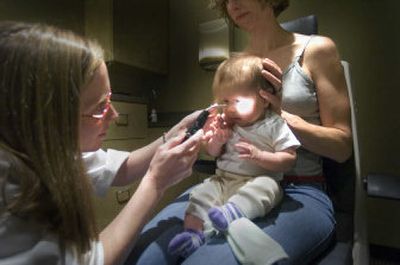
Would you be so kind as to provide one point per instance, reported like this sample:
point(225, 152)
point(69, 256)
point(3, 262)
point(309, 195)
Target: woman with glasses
point(54, 105)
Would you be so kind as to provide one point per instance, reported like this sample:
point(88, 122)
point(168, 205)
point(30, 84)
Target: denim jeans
point(303, 224)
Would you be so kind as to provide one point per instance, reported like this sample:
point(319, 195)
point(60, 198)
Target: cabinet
point(131, 32)
point(131, 122)
point(128, 133)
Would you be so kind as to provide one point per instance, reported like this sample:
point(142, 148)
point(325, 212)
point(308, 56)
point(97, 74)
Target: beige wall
point(65, 14)
point(367, 36)
point(188, 85)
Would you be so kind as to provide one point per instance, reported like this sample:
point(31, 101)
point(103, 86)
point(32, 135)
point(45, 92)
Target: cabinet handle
point(122, 120)
point(123, 196)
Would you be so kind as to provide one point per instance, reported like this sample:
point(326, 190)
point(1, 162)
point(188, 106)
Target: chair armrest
point(383, 186)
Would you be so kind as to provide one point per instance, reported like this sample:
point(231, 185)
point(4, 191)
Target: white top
point(24, 241)
point(103, 166)
point(270, 134)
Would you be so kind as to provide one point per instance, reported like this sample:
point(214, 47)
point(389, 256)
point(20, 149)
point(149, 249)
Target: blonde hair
point(240, 72)
point(277, 5)
point(42, 72)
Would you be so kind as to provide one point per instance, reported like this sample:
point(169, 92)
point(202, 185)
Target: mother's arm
point(333, 138)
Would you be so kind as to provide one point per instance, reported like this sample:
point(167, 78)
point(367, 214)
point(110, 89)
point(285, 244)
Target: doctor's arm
point(138, 161)
point(171, 163)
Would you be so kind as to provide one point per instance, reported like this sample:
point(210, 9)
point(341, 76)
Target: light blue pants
point(303, 224)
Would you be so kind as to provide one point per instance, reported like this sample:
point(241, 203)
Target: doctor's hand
point(173, 161)
point(182, 126)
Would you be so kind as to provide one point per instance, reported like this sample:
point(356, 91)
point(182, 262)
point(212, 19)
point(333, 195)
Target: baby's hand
point(247, 150)
point(216, 134)
point(217, 131)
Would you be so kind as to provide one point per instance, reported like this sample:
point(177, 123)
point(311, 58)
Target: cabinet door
point(128, 133)
point(141, 34)
point(99, 24)
point(131, 123)
point(107, 208)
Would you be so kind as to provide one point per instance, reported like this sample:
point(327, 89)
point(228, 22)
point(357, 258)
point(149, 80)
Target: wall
point(188, 85)
point(65, 14)
point(366, 35)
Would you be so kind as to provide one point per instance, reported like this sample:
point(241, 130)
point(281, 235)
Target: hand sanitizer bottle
point(153, 115)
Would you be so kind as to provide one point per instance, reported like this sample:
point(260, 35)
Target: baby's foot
point(222, 216)
point(185, 243)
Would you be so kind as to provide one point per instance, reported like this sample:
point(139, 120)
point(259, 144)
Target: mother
point(316, 107)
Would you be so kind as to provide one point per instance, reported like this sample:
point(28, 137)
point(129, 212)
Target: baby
point(253, 146)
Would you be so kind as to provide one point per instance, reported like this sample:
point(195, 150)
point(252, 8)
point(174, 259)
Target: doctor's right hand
point(173, 161)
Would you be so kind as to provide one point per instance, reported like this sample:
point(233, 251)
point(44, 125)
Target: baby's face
point(243, 108)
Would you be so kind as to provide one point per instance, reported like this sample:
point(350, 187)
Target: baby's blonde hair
point(241, 72)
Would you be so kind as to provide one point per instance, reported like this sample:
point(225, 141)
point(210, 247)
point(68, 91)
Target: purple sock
point(185, 243)
point(222, 216)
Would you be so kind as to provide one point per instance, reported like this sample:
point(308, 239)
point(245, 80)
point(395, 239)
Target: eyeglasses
point(102, 110)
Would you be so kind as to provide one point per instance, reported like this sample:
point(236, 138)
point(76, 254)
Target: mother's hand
point(273, 73)
point(173, 160)
point(294, 121)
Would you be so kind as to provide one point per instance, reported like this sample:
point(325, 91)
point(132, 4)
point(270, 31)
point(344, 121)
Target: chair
point(346, 188)
point(383, 186)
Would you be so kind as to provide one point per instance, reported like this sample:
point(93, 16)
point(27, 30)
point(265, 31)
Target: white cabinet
point(132, 32)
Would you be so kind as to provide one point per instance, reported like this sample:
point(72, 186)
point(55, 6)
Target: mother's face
point(97, 111)
point(246, 13)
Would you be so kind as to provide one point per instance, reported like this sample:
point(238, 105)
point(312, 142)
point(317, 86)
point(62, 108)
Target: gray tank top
point(299, 97)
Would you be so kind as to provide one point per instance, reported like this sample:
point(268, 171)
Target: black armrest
point(383, 186)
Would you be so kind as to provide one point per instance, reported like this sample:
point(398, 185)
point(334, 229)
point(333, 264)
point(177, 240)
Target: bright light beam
point(245, 106)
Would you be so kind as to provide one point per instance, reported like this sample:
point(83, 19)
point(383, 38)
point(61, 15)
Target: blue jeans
point(303, 224)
